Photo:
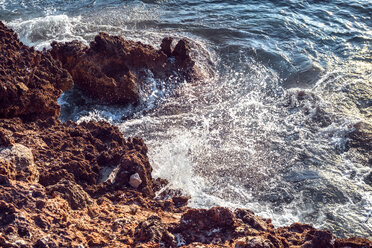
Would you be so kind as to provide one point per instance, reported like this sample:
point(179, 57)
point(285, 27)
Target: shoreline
point(51, 195)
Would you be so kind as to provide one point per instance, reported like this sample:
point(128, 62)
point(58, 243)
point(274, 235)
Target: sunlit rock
point(135, 180)
point(23, 160)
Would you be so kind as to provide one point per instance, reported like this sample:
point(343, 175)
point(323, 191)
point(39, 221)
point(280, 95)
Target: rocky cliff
point(85, 185)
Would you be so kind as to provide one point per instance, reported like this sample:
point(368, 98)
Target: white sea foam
point(40, 32)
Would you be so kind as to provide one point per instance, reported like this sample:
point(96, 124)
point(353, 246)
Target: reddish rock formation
point(112, 68)
point(79, 153)
point(67, 185)
point(30, 81)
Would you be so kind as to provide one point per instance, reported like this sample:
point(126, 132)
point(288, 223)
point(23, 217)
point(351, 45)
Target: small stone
point(135, 180)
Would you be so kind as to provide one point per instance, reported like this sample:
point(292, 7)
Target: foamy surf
point(40, 32)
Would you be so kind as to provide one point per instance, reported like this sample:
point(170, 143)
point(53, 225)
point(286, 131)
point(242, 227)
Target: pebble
point(135, 180)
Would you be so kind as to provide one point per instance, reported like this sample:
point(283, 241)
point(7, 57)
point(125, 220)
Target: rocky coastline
point(85, 185)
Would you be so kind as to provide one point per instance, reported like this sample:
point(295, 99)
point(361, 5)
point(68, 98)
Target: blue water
point(266, 129)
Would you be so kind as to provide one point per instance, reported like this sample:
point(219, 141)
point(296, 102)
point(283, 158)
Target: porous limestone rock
point(112, 69)
point(72, 193)
point(30, 81)
point(22, 159)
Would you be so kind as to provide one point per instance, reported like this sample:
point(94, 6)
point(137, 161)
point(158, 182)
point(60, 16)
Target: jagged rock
point(216, 217)
point(153, 230)
point(7, 170)
point(78, 153)
point(256, 222)
point(306, 235)
point(254, 242)
point(166, 46)
point(206, 225)
point(134, 162)
point(182, 54)
point(7, 213)
point(6, 138)
point(361, 136)
point(352, 243)
point(30, 81)
point(180, 201)
point(111, 69)
point(23, 160)
point(72, 193)
point(45, 242)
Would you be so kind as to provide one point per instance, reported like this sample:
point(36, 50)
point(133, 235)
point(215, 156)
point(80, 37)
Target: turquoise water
point(266, 129)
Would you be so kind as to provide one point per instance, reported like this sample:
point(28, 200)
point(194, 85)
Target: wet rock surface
point(112, 69)
point(361, 137)
point(69, 185)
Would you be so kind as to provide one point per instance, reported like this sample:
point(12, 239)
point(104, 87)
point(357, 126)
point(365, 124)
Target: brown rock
point(180, 201)
point(182, 53)
point(353, 243)
point(207, 225)
point(5, 137)
point(7, 170)
point(22, 159)
point(133, 163)
point(306, 235)
point(253, 242)
point(153, 230)
point(111, 69)
point(76, 153)
point(216, 217)
point(72, 193)
point(256, 222)
point(30, 81)
point(166, 46)
point(7, 213)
